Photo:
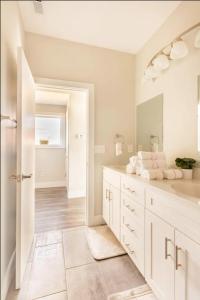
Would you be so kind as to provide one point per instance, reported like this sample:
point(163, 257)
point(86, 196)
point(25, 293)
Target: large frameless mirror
point(150, 124)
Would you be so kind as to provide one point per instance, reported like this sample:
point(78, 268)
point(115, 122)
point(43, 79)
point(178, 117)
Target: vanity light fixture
point(177, 49)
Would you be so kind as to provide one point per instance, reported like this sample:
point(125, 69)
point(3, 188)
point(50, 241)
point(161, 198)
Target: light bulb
point(161, 62)
point(179, 50)
point(152, 72)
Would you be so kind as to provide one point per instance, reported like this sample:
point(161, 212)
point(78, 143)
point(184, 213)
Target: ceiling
point(120, 25)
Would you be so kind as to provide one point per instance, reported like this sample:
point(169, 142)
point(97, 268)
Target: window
point(49, 131)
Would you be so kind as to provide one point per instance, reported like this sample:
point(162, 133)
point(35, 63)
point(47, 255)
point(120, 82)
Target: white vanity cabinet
point(111, 201)
point(159, 230)
point(187, 268)
point(159, 256)
point(172, 259)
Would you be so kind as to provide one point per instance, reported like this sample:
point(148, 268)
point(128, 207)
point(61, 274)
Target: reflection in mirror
point(150, 125)
point(198, 82)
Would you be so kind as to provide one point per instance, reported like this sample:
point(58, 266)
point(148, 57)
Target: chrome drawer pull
point(129, 227)
point(131, 209)
point(129, 189)
point(176, 258)
point(166, 248)
point(128, 246)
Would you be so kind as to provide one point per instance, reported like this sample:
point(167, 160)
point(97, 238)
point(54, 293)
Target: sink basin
point(191, 189)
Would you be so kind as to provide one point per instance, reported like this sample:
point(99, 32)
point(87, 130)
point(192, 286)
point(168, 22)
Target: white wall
point(111, 72)
point(178, 84)
point(77, 146)
point(50, 162)
point(12, 36)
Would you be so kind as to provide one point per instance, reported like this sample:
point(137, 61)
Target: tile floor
point(61, 267)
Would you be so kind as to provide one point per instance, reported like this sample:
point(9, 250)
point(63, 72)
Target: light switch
point(99, 149)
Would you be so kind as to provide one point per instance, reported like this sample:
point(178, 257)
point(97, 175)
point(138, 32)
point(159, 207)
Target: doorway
point(62, 171)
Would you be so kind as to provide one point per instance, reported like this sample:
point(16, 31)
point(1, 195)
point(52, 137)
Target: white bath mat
point(142, 292)
point(102, 243)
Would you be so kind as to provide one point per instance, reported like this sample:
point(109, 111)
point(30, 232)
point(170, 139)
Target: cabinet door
point(187, 265)
point(159, 257)
point(106, 202)
point(115, 211)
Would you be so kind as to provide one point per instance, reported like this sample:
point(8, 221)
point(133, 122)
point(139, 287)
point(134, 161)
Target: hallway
point(61, 267)
point(54, 211)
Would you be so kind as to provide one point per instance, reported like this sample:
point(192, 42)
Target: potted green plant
point(186, 164)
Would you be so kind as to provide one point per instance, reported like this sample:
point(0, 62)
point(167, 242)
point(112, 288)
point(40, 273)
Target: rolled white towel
point(144, 155)
point(152, 174)
point(158, 155)
point(133, 160)
point(172, 174)
point(130, 169)
point(147, 164)
point(161, 164)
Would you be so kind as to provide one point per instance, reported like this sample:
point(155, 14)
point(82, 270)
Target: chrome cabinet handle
point(110, 195)
point(107, 193)
point(166, 248)
point(176, 258)
point(131, 209)
point(26, 176)
point(128, 246)
point(129, 227)
point(129, 189)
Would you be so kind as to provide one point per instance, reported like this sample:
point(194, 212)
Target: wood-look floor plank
point(76, 250)
point(54, 211)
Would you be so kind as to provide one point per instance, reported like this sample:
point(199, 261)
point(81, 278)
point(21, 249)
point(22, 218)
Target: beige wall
point(50, 162)
point(77, 145)
point(110, 71)
point(11, 38)
point(178, 84)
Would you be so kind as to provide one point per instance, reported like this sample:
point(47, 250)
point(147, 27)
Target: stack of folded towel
point(151, 165)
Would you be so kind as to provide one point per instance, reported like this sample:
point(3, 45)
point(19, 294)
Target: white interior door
point(25, 165)
point(67, 145)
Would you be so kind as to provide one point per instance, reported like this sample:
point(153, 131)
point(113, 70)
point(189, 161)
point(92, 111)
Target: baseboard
point(48, 184)
point(98, 220)
point(10, 272)
point(76, 194)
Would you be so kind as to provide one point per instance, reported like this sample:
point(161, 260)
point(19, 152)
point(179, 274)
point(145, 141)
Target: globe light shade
point(151, 72)
point(161, 62)
point(179, 50)
point(197, 39)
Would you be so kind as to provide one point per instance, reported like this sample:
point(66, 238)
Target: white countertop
point(164, 185)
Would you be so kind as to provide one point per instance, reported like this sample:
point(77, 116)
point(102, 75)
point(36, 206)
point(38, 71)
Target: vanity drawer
point(132, 188)
point(135, 230)
point(112, 177)
point(132, 208)
point(133, 248)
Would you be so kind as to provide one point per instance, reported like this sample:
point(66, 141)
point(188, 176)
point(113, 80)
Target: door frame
point(89, 87)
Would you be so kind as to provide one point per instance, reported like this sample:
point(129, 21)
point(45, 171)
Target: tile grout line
point(47, 295)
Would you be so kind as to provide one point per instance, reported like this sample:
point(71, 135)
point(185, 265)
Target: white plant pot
point(187, 173)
